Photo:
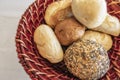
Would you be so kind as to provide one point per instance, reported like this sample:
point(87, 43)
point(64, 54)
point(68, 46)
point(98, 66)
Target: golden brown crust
point(68, 31)
point(47, 44)
point(58, 11)
point(104, 39)
point(111, 26)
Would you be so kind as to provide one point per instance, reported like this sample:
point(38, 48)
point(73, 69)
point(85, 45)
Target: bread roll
point(111, 26)
point(58, 11)
point(91, 13)
point(87, 60)
point(47, 44)
point(101, 38)
point(68, 31)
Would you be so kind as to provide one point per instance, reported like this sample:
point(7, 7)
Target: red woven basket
point(39, 68)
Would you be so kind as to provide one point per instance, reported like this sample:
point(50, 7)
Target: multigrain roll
point(104, 39)
point(68, 31)
point(58, 11)
point(91, 13)
point(87, 60)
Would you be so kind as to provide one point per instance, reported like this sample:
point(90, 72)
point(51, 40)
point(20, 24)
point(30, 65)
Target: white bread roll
point(91, 13)
point(101, 38)
point(47, 44)
point(111, 26)
point(58, 11)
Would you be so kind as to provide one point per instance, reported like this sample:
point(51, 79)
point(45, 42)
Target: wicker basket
point(39, 68)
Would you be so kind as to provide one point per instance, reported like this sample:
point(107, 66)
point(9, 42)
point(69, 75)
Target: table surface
point(10, 13)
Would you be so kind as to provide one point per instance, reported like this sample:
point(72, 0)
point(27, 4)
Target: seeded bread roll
point(91, 13)
point(87, 60)
point(58, 11)
point(104, 39)
point(111, 26)
point(68, 31)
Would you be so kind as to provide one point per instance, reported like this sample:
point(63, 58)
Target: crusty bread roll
point(101, 38)
point(68, 31)
point(87, 60)
point(58, 11)
point(91, 13)
point(47, 44)
point(111, 26)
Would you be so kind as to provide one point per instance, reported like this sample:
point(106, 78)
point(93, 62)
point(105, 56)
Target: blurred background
point(10, 14)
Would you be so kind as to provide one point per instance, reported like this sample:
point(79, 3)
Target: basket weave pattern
point(39, 68)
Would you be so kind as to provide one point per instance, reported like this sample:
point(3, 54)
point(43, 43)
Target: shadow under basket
point(39, 68)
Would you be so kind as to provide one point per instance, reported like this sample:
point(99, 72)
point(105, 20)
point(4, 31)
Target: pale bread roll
point(58, 11)
point(101, 38)
point(47, 44)
point(91, 13)
point(111, 26)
